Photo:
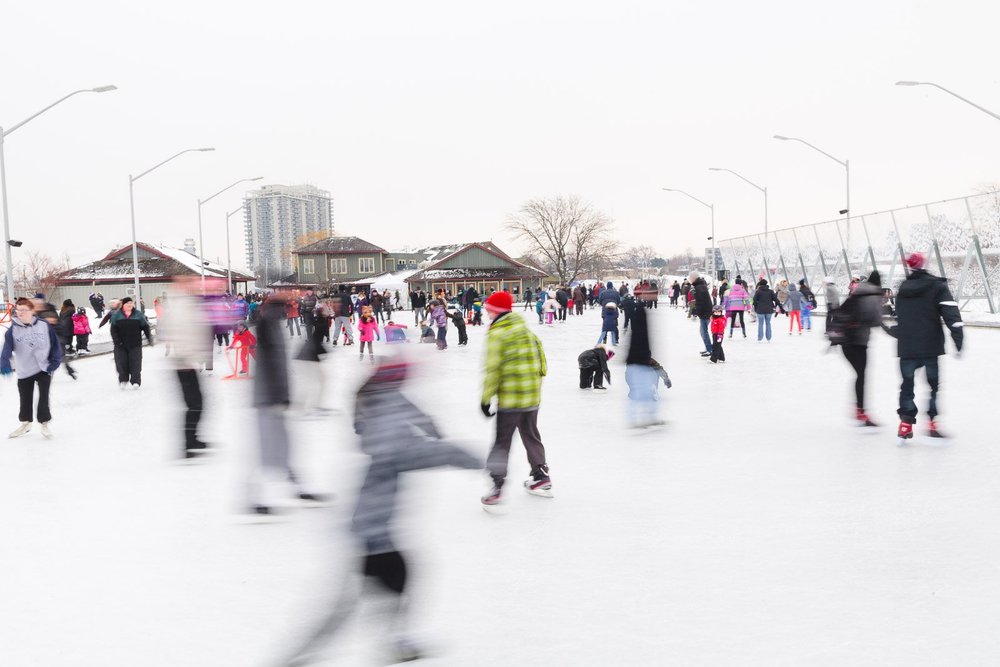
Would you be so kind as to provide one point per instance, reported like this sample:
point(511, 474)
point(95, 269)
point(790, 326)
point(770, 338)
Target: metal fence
point(961, 238)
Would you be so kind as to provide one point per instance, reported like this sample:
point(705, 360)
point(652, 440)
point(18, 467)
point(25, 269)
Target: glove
point(6, 371)
point(485, 407)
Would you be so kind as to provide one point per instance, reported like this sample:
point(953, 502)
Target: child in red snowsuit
point(246, 344)
point(718, 329)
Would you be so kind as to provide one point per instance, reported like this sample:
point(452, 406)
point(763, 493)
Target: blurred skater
point(34, 345)
point(643, 374)
point(388, 424)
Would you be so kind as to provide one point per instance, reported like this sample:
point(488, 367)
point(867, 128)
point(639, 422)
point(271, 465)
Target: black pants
point(628, 318)
point(26, 389)
point(388, 568)
point(732, 322)
point(526, 424)
point(591, 377)
point(222, 338)
point(562, 312)
point(128, 361)
point(717, 352)
point(463, 337)
point(908, 368)
point(857, 356)
point(81, 341)
point(191, 390)
point(309, 324)
point(578, 305)
point(294, 322)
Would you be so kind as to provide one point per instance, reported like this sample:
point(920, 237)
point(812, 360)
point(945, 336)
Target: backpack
point(841, 321)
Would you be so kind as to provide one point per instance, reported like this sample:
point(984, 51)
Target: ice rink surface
point(759, 527)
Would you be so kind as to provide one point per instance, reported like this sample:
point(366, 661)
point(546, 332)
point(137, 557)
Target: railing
point(961, 238)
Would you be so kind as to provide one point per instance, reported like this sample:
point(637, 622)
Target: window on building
point(308, 266)
point(366, 265)
point(400, 264)
point(338, 265)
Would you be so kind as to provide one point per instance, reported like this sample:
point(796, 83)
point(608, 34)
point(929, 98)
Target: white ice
point(759, 527)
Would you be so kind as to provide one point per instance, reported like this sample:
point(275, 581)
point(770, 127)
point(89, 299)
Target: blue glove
point(6, 371)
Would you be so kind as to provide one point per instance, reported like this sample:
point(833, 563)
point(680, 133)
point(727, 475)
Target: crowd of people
point(258, 330)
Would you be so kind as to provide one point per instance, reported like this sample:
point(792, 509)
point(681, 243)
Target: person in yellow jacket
point(515, 366)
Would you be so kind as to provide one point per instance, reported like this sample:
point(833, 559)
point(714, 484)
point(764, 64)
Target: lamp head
point(715, 169)
point(103, 89)
point(668, 189)
point(781, 138)
point(255, 178)
point(204, 150)
point(907, 83)
point(15, 244)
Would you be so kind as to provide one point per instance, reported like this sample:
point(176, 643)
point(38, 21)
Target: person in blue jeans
point(764, 301)
point(702, 308)
point(609, 324)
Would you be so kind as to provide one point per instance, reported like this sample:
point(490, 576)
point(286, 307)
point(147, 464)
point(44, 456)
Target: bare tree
point(38, 272)
point(568, 236)
point(640, 258)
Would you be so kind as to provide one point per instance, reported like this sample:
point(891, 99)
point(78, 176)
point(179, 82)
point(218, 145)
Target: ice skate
point(904, 433)
point(539, 487)
point(316, 499)
point(46, 433)
point(20, 430)
point(932, 430)
point(493, 498)
point(863, 419)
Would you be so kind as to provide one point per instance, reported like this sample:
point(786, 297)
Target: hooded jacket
point(36, 345)
point(595, 359)
point(609, 315)
point(736, 298)
point(515, 365)
point(922, 302)
point(702, 298)
point(764, 300)
point(609, 295)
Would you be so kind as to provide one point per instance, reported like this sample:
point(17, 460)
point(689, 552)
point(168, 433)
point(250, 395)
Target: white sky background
point(431, 121)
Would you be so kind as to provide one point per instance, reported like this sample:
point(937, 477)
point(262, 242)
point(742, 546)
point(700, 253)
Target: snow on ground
point(760, 527)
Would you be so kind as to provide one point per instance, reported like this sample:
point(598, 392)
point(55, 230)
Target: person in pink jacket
point(737, 300)
point(81, 329)
point(368, 332)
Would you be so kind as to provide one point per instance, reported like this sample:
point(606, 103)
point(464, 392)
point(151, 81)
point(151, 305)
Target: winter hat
point(127, 299)
point(500, 302)
point(693, 276)
point(39, 295)
point(611, 354)
point(916, 260)
point(802, 283)
point(875, 279)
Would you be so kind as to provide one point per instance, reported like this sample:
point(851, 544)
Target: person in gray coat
point(793, 304)
point(399, 438)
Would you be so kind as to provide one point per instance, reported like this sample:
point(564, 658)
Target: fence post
point(843, 249)
point(868, 238)
point(979, 258)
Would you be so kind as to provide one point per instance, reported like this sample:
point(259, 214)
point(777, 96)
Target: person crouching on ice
point(718, 329)
point(594, 367)
point(246, 345)
point(388, 424)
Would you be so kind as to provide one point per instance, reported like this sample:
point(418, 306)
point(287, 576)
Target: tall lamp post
point(229, 259)
point(846, 164)
point(747, 180)
point(950, 92)
point(201, 244)
point(3, 177)
point(131, 203)
point(711, 207)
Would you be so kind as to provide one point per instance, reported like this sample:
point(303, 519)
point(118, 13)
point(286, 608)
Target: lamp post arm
point(746, 180)
point(969, 102)
point(136, 178)
point(819, 150)
point(706, 205)
point(34, 116)
point(231, 185)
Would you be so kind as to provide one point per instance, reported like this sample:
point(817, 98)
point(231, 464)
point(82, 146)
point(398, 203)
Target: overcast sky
point(431, 121)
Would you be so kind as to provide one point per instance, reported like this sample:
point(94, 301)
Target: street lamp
point(952, 93)
point(131, 204)
point(846, 164)
point(762, 189)
point(229, 260)
point(201, 244)
point(711, 207)
point(3, 176)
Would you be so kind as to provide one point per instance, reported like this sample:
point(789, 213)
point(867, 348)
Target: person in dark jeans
point(703, 309)
point(36, 347)
point(593, 365)
point(127, 328)
point(923, 301)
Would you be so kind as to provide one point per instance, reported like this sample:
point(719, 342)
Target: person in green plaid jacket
point(515, 366)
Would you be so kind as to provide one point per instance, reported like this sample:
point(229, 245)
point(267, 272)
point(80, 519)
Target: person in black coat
point(703, 309)
point(562, 298)
point(764, 301)
point(593, 365)
point(127, 328)
point(271, 397)
point(459, 321)
point(628, 308)
point(865, 307)
point(64, 331)
point(922, 302)
point(97, 303)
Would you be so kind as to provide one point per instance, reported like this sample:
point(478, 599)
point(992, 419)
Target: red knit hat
point(500, 302)
point(916, 260)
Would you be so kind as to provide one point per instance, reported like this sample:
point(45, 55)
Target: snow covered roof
point(340, 245)
point(389, 277)
point(165, 264)
point(507, 273)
